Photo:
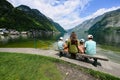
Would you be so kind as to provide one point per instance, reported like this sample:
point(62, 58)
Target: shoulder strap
point(68, 43)
point(77, 46)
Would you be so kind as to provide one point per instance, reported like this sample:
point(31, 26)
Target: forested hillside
point(24, 18)
point(110, 22)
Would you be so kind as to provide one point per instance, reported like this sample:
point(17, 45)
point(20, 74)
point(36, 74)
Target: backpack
point(73, 46)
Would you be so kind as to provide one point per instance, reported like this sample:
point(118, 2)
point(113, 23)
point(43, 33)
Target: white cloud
point(65, 12)
point(101, 11)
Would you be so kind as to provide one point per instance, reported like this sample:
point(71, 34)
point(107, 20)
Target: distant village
point(3, 31)
point(6, 32)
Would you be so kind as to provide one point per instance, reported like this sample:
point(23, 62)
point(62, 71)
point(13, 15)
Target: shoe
point(86, 59)
point(94, 64)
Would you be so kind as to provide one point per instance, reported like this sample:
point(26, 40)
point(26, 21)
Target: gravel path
point(106, 66)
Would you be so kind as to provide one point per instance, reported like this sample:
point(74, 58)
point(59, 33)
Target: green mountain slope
point(110, 22)
point(23, 18)
point(107, 30)
point(82, 28)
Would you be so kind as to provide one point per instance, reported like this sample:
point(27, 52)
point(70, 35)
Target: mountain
point(105, 28)
point(24, 18)
point(57, 26)
point(82, 28)
point(110, 22)
point(103, 22)
point(40, 19)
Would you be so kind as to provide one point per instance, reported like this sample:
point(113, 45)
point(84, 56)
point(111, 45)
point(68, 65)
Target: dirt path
point(106, 66)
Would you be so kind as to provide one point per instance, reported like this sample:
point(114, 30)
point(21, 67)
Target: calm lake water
point(4, 40)
point(112, 38)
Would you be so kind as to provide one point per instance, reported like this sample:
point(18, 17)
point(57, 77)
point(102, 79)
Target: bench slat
point(88, 56)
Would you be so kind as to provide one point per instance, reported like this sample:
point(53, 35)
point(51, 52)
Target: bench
point(95, 58)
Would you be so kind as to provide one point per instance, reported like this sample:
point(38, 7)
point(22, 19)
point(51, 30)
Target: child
point(81, 46)
point(60, 46)
point(66, 47)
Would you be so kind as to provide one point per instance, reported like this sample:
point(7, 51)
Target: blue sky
point(69, 13)
point(95, 5)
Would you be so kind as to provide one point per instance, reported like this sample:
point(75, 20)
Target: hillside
point(82, 28)
point(107, 30)
point(23, 18)
point(110, 22)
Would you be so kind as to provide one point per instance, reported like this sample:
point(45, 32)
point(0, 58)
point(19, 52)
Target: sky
point(70, 13)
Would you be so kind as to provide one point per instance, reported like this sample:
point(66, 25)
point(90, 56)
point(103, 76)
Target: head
point(82, 41)
point(66, 40)
point(61, 38)
point(73, 36)
point(90, 36)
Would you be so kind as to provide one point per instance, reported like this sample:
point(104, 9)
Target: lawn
point(27, 67)
point(112, 48)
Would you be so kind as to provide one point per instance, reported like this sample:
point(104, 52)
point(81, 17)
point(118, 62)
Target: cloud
point(101, 11)
point(95, 14)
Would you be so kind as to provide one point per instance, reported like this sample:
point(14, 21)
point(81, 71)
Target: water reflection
point(4, 40)
point(112, 39)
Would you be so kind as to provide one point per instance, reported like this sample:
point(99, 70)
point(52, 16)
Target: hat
point(61, 38)
point(90, 36)
point(82, 40)
point(66, 39)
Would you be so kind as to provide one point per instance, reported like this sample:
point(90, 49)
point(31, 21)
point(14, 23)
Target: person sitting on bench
point(90, 48)
point(81, 47)
point(60, 44)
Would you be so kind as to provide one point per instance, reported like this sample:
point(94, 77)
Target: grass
point(14, 66)
point(97, 74)
point(27, 67)
point(46, 44)
point(116, 49)
point(100, 75)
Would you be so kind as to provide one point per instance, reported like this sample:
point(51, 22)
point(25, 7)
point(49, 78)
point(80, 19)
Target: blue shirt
point(60, 45)
point(90, 46)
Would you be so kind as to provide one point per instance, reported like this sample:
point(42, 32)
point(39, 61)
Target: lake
point(30, 39)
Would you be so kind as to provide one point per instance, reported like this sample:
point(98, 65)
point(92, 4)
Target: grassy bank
point(117, 49)
point(43, 44)
point(100, 75)
point(97, 74)
point(27, 67)
point(35, 67)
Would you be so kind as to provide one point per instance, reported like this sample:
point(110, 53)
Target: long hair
point(73, 38)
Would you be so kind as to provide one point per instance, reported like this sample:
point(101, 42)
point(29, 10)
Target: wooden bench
point(95, 58)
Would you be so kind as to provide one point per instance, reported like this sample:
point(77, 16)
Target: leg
point(73, 55)
point(95, 62)
point(86, 59)
point(61, 54)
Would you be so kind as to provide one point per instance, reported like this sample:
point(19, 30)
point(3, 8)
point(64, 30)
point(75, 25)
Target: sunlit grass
point(97, 74)
point(43, 44)
point(113, 48)
point(27, 67)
